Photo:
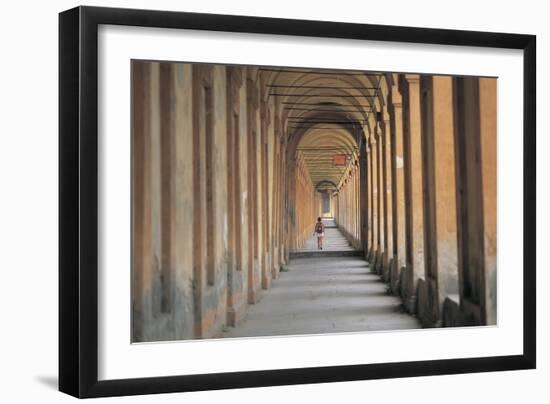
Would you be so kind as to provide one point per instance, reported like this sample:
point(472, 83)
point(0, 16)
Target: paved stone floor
point(323, 295)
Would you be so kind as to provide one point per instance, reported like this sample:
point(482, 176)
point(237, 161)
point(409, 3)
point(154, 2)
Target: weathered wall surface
point(307, 205)
point(439, 240)
point(348, 203)
point(207, 198)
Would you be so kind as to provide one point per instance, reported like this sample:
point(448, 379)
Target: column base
point(410, 304)
point(428, 303)
point(379, 266)
point(235, 314)
point(408, 289)
point(394, 277)
point(386, 270)
point(254, 296)
point(266, 280)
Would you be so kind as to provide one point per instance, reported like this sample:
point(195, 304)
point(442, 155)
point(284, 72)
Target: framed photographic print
point(251, 201)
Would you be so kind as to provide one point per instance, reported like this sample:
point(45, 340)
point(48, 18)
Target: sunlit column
point(409, 86)
point(440, 214)
point(398, 186)
point(488, 114)
point(374, 180)
point(380, 196)
point(141, 214)
point(363, 199)
point(388, 197)
point(475, 135)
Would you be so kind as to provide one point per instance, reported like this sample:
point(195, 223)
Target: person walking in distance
point(320, 233)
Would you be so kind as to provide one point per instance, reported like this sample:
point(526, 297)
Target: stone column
point(141, 197)
point(287, 186)
point(488, 132)
point(387, 196)
point(363, 199)
point(252, 193)
point(168, 212)
point(356, 205)
point(475, 135)
point(351, 192)
point(200, 77)
point(380, 196)
point(370, 200)
point(236, 277)
point(440, 234)
point(264, 187)
point(183, 218)
point(409, 87)
point(277, 194)
point(398, 187)
point(374, 182)
point(156, 188)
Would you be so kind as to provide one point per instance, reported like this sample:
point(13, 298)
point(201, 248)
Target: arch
point(323, 183)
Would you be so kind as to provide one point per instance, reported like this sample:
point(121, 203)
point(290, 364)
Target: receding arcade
point(232, 165)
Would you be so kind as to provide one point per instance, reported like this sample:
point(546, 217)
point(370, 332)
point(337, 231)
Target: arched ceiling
point(325, 113)
point(320, 151)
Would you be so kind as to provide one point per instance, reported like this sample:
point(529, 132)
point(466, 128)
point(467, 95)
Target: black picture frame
point(78, 201)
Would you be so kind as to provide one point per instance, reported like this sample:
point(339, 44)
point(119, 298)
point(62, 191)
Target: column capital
point(379, 129)
point(252, 94)
point(412, 78)
point(372, 139)
point(396, 97)
point(265, 113)
point(234, 74)
point(385, 117)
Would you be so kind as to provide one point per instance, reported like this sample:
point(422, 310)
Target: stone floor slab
point(324, 295)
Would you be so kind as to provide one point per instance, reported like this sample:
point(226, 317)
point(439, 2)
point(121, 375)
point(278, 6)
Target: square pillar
point(387, 196)
point(409, 87)
point(379, 201)
point(374, 196)
point(488, 132)
point(440, 236)
point(475, 135)
point(398, 186)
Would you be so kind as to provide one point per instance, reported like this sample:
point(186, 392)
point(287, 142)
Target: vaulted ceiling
point(324, 112)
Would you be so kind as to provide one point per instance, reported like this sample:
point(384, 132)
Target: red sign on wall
point(339, 160)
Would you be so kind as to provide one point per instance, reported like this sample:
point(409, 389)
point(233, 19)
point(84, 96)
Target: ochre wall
point(198, 161)
point(307, 205)
point(348, 205)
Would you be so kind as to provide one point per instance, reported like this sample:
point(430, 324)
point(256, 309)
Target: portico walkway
point(324, 295)
point(334, 240)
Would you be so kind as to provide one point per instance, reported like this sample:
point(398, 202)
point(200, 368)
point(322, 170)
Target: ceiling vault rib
point(323, 110)
point(323, 95)
point(322, 72)
point(332, 104)
point(299, 121)
point(328, 119)
point(310, 128)
point(319, 87)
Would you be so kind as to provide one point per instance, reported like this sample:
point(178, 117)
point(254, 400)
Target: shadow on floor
point(51, 382)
